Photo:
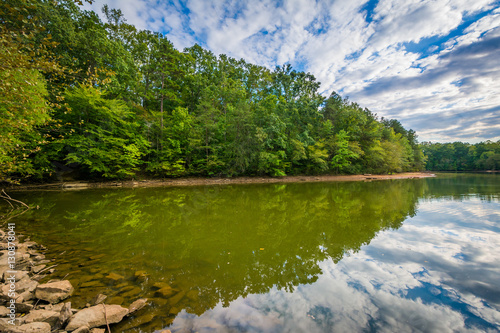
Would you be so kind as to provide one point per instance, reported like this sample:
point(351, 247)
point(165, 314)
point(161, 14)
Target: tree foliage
point(459, 156)
point(112, 101)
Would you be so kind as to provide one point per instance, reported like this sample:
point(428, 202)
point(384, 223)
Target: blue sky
point(433, 65)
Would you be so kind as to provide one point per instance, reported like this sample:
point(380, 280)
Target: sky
point(432, 64)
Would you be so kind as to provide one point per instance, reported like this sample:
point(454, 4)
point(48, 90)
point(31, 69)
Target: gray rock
point(25, 284)
point(36, 269)
point(18, 275)
point(46, 316)
point(94, 316)
point(25, 296)
point(83, 329)
point(52, 307)
point(64, 315)
point(97, 330)
point(23, 307)
point(5, 327)
point(35, 328)
point(54, 292)
point(4, 312)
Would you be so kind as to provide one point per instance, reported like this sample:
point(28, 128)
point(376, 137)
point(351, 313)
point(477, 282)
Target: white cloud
point(349, 53)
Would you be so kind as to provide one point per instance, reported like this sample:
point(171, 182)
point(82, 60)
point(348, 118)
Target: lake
point(382, 256)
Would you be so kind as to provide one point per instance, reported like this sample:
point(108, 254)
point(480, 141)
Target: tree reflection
point(215, 244)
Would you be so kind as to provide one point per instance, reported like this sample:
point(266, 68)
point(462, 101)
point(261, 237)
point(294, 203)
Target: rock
point(64, 315)
point(46, 316)
point(23, 307)
point(5, 327)
point(94, 316)
point(97, 330)
point(176, 299)
point(114, 278)
point(53, 307)
point(141, 276)
point(134, 292)
point(92, 284)
point(127, 288)
point(25, 296)
point(99, 256)
point(166, 292)
point(25, 284)
point(160, 285)
point(18, 276)
point(137, 305)
point(116, 300)
point(36, 269)
point(54, 292)
point(83, 329)
point(98, 299)
point(35, 328)
point(39, 257)
point(4, 312)
point(159, 301)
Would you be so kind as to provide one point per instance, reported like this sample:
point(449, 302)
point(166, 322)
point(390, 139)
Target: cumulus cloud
point(411, 60)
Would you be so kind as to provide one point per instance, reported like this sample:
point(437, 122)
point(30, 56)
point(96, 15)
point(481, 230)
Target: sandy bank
point(221, 181)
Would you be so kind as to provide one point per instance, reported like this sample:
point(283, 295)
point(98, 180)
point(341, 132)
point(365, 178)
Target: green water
point(399, 255)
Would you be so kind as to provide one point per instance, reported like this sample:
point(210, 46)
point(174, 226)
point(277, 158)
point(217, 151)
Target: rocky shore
point(26, 305)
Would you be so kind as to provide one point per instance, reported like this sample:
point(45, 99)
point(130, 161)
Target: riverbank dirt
point(220, 181)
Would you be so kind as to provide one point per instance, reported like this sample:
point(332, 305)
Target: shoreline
point(28, 305)
point(200, 181)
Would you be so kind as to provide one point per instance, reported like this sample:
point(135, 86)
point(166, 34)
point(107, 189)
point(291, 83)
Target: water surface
point(382, 256)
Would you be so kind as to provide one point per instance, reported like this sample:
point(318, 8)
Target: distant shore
point(71, 185)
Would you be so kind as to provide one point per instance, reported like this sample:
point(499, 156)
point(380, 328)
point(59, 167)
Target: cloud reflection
point(437, 273)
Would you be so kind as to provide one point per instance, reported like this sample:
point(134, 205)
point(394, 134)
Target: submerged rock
point(141, 276)
point(95, 316)
point(55, 291)
point(166, 292)
point(114, 278)
point(137, 305)
point(98, 299)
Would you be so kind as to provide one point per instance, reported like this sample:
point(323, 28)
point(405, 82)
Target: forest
point(460, 156)
point(100, 99)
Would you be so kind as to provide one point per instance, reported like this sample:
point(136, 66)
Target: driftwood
point(7, 197)
point(106, 317)
point(4, 219)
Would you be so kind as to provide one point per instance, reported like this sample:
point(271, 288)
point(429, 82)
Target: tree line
point(460, 156)
point(107, 100)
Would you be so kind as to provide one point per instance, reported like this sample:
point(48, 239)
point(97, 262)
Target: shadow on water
point(215, 244)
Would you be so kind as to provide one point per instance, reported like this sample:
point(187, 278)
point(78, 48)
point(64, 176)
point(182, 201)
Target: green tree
point(100, 134)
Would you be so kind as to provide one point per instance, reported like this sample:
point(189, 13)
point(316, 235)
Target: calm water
point(384, 256)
